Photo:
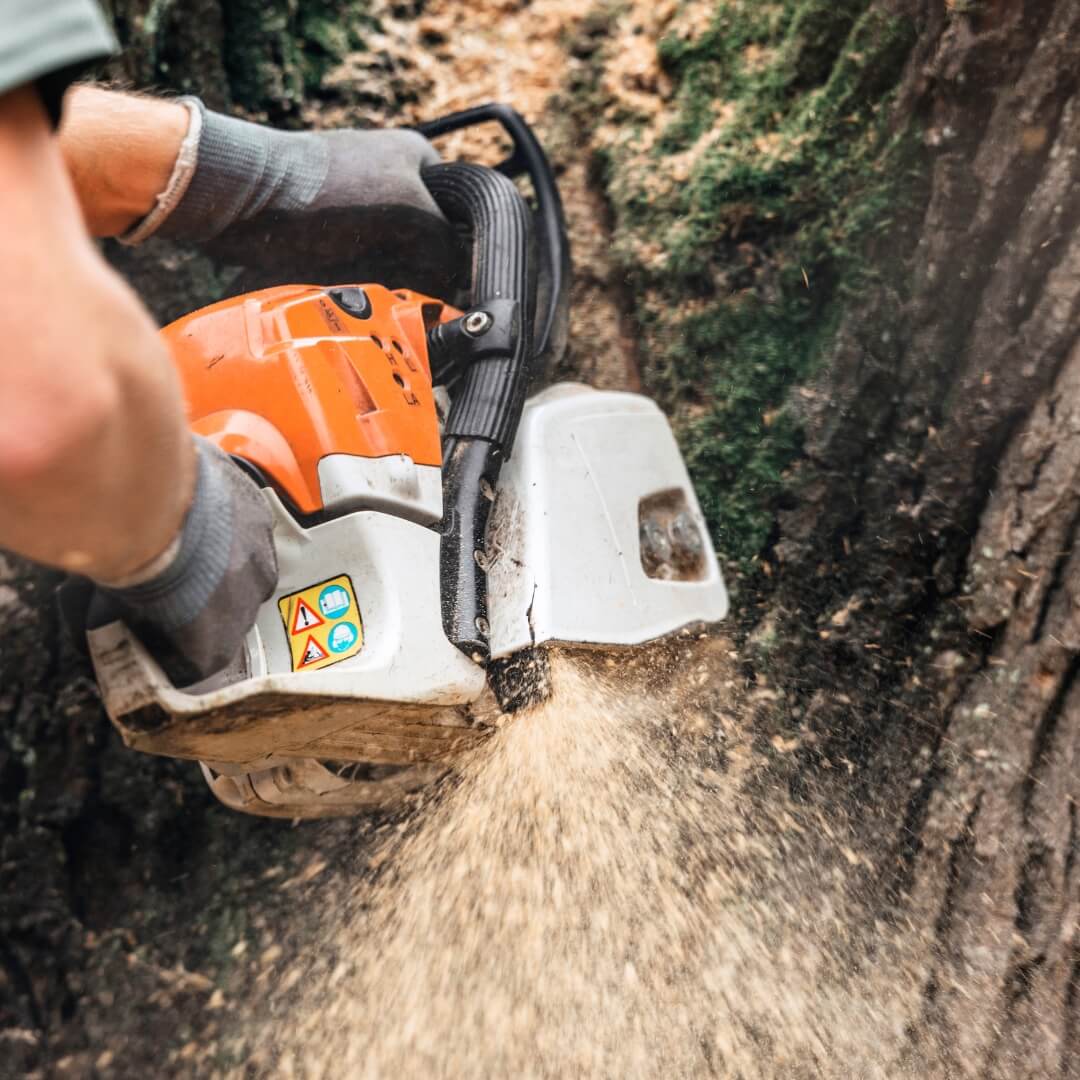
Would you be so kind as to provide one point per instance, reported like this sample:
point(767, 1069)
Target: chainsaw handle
point(528, 158)
point(492, 346)
point(498, 347)
point(496, 359)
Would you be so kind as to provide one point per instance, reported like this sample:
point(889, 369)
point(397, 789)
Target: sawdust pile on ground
point(591, 899)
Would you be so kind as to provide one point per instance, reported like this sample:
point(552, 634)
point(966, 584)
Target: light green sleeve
point(50, 37)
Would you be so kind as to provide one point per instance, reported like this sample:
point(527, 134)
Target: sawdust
point(597, 895)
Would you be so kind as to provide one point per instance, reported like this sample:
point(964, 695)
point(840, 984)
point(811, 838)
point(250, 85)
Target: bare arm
point(96, 465)
point(119, 150)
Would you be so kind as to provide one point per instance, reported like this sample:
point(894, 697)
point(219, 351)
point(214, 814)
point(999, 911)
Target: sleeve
point(51, 43)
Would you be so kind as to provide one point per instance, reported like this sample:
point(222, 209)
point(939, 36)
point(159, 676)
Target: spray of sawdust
point(592, 898)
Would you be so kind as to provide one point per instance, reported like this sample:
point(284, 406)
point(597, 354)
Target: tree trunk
point(956, 528)
point(917, 596)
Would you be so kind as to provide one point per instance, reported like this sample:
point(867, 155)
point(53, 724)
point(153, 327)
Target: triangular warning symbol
point(305, 618)
point(313, 652)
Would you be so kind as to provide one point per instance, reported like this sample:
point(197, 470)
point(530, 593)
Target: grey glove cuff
point(241, 169)
point(194, 615)
point(180, 592)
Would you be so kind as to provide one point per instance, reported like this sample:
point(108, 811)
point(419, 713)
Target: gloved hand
point(193, 615)
point(313, 206)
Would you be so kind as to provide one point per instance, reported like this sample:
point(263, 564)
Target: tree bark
point(938, 499)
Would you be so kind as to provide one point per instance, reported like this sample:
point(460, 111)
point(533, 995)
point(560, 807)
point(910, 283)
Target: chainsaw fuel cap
point(352, 300)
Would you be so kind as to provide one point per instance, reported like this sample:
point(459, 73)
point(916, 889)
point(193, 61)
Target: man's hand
point(194, 612)
point(255, 188)
point(319, 207)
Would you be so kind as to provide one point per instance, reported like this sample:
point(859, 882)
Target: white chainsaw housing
point(563, 548)
point(564, 565)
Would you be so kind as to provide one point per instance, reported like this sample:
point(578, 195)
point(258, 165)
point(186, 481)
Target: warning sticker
point(322, 623)
point(312, 654)
point(305, 618)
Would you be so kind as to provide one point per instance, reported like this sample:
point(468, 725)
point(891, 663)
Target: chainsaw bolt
point(655, 547)
point(482, 625)
point(478, 323)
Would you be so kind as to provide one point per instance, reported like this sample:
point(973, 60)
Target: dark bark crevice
point(1043, 742)
point(958, 867)
point(19, 975)
point(1057, 572)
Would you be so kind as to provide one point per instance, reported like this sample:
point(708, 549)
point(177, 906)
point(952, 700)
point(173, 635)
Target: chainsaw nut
point(686, 539)
point(477, 323)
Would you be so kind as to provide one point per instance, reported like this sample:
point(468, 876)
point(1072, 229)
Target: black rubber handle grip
point(528, 158)
point(488, 402)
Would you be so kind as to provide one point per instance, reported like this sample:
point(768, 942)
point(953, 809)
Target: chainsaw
point(442, 518)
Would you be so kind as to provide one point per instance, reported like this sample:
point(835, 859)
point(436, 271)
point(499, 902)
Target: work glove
point(194, 614)
point(321, 207)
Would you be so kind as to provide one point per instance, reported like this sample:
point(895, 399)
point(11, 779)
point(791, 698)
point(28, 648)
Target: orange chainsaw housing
point(286, 376)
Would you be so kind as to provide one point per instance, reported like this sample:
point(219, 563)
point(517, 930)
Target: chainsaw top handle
point(553, 250)
point(489, 350)
point(488, 356)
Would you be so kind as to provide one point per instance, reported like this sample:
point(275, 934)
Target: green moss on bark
point(743, 221)
point(267, 56)
point(277, 53)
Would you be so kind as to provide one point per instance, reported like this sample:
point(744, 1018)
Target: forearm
point(96, 465)
point(119, 150)
point(291, 205)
